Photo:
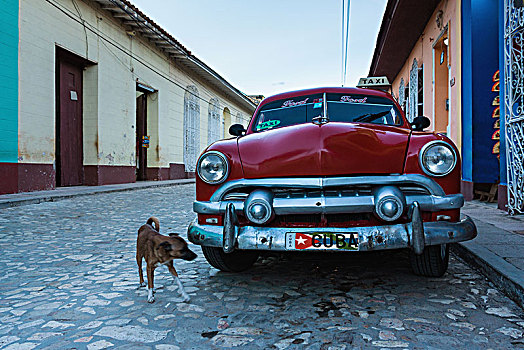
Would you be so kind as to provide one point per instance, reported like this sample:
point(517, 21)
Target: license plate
point(321, 241)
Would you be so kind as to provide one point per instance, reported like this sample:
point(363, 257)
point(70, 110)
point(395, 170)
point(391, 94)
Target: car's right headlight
point(213, 167)
point(437, 158)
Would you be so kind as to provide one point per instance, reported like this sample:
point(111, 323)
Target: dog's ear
point(173, 234)
point(166, 245)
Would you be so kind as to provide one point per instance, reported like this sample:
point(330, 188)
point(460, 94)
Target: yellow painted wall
point(109, 87)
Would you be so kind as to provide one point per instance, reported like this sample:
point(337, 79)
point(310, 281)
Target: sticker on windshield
point(291, 103)
point(353, 100)
point(269, 124)
point(317, 103)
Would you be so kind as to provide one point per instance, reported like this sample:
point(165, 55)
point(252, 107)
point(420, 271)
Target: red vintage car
point(330, 169)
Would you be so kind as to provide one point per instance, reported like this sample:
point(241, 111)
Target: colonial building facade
point(459, 62)
point(97, 93)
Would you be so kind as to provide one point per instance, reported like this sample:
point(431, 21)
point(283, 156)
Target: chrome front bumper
point(435, 199)
point(414, 234)
point(370, 238)
point(333, 205)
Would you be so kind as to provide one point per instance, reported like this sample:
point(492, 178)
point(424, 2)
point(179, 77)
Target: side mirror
point(420, 123)
point(237, 130)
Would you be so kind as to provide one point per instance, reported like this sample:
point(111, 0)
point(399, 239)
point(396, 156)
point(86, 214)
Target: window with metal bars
point(191, 127)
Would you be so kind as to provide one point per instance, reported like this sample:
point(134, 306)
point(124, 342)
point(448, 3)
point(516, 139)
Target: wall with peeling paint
point(109, 111)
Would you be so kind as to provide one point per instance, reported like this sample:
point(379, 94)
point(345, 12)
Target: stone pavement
point(498, 250)
point(17, 199)
point(69, 281)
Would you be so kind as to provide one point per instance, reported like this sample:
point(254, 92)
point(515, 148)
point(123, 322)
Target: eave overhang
point(402, 25)
point(135, 20)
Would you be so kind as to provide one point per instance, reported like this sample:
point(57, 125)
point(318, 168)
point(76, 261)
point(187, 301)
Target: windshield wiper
point(369, 117)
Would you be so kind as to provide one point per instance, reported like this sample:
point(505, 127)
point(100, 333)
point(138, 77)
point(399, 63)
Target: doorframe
point(445, 31)
point(146, 90)
point(61, 55)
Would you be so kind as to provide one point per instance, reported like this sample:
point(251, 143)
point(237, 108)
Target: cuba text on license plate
point(321, 240)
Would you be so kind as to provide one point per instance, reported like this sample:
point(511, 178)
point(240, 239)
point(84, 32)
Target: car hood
point(327, 150)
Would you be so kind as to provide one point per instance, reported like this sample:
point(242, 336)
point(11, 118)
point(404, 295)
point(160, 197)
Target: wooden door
point(70, 154)
point(141, 131)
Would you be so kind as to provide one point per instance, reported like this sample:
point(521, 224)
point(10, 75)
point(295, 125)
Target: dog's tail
point(154, 220)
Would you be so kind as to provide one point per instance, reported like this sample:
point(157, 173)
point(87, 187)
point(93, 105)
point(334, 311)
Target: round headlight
point(213, 167)
point(437, 158)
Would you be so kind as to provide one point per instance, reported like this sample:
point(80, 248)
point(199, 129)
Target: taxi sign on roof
point(373, 82)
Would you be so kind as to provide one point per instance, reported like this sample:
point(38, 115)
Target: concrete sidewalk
point(17, 199)
point(498, 250)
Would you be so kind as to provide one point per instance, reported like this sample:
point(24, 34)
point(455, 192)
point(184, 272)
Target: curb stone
point(503, 274)
point(26, 198)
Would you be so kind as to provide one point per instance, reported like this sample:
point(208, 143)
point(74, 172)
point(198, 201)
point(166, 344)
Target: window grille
point(416, 92)
point(413, 92)
point(402, 94)
point(191, 127)
point(214, 124)
point(514, 104)
point(240, 119)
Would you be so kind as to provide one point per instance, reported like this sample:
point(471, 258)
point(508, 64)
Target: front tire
point(236, 261)
point(433, 262)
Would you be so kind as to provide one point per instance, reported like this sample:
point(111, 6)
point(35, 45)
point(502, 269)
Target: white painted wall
point(109, 87)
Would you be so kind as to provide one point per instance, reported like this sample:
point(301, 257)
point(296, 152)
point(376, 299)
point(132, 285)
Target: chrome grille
point(354, 191)
point(235, 196)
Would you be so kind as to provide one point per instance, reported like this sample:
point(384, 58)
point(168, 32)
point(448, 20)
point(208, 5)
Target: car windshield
point(362, 109)
point(346, 108)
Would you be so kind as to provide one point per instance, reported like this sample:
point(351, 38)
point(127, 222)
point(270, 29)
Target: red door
point(69, 141)
point(141, 131)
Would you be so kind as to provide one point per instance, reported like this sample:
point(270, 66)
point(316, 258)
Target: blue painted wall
point(9, 81)
point(480, 43)
point(467, 88)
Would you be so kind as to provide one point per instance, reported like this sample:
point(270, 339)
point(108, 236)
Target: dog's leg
point(150, 286)
point(140, 272)
point(181, 289)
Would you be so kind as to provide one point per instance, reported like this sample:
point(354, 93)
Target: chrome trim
point(430, 144)
point(261, 197)
point(370, 237)
point(229, 233)
point(417, 229)
point(334, 205)
point(323, 118)
point(220, 155)
point(320, 183)
point(385, 193)
point(236, 196)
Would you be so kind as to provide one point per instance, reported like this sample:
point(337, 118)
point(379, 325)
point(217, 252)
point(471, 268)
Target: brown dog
point(158, 250)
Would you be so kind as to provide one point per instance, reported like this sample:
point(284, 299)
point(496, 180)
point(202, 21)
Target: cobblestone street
point(69, 280)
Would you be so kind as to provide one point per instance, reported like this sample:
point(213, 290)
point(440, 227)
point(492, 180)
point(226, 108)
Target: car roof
point(340, 90)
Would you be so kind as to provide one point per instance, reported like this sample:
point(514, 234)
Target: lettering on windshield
point(291, 103)
point(353, 100)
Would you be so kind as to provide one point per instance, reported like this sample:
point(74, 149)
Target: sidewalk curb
point(49, 196)
point(503, 274)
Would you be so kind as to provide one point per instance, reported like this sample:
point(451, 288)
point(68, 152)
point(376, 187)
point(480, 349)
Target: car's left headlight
point(437, 158)
point(213, 167)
